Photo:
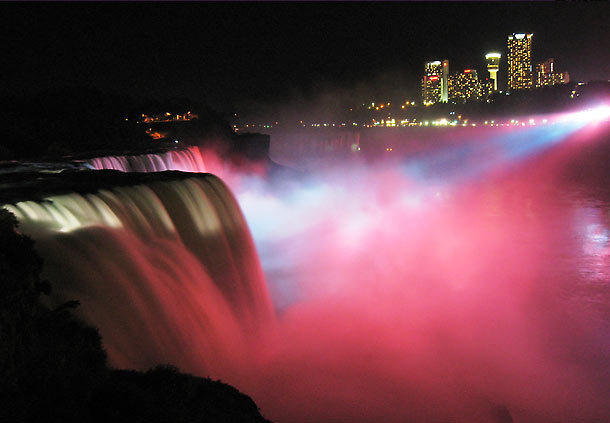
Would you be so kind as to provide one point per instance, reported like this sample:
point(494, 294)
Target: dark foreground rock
point(53, 367)
point(165, 395)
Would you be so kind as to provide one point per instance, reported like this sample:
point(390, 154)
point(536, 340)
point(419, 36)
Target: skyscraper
point(493, 64)
point(465, 86)
point(431, 84)
point(520, 61)
point(434, 82)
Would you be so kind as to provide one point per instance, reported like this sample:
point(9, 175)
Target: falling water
point(166, 270)
point(186, 159)
point(189, 159)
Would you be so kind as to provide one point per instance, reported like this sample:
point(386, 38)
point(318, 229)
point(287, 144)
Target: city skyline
point(239, 56)
point(518, 72)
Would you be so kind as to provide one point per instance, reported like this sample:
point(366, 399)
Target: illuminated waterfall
point(166, 270)
point(458, 278)
point(189, 159)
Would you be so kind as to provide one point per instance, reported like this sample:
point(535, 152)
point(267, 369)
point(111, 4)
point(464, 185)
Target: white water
point(167, 271)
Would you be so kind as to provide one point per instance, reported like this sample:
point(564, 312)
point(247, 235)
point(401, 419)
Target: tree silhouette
point(53, 367)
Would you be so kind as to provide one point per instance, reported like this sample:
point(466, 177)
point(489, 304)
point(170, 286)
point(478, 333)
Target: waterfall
point(188, 159)
point(191, 159)
point(166, 269)
point(469, 277)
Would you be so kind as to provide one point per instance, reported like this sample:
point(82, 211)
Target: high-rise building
point(465, 86)
point(431, 83)
point(445, 82)
point(493, 64)
point(435, 82)
point(520, 61)
point(546, 75)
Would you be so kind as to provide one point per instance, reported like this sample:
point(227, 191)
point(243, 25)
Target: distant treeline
point(53, 367)
point(72, 120)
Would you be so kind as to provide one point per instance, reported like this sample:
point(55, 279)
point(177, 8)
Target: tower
point(445, 82)
point(493, 64)
point(520, 61)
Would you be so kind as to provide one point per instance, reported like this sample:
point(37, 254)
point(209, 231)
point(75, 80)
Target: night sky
point(238, 56)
